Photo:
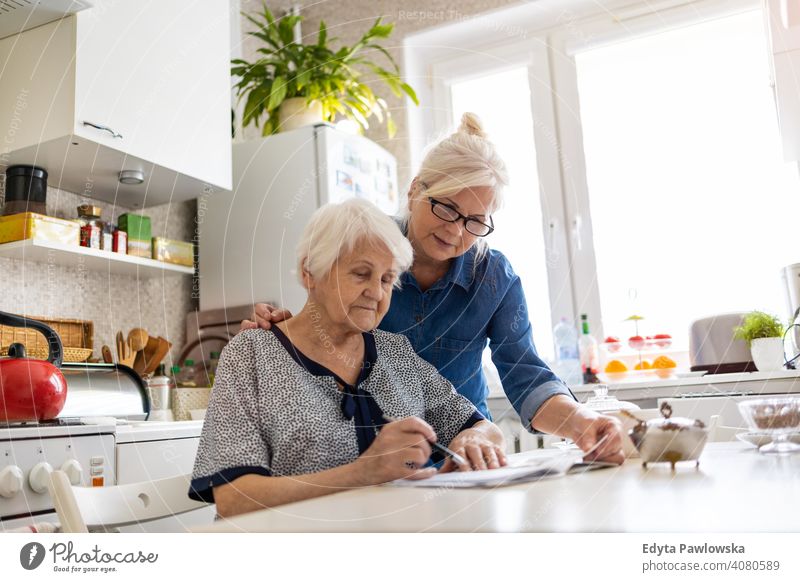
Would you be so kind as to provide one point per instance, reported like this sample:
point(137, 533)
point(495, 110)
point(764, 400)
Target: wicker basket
point(74, 333)
point(70, 354)
point(186, 399)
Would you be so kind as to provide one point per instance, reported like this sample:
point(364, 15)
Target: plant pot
point(295, 112)
point(767, 353)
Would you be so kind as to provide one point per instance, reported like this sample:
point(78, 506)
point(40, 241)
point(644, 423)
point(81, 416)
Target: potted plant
point(764, 333)
point(293, 84)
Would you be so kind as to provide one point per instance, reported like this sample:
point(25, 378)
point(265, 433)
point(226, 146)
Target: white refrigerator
point(248, 238)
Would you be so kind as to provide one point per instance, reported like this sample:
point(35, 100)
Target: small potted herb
point(291, 84)
point(764, 334)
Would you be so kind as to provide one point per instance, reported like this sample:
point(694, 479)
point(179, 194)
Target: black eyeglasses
point(450, 214)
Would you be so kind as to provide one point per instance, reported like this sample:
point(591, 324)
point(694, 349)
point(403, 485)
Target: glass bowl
point(777, 417)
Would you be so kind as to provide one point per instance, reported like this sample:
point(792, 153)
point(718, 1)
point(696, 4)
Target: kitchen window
point(518, 225)
point(690, 201)
point(662, 190)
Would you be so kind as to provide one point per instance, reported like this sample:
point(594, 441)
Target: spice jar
point(107, 240)
point(91, 226)
point(120, 243)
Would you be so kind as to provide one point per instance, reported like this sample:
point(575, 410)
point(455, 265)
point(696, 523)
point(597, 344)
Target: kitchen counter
point(735, 489)
point(779, 377)
point(147, 431)
point(646, 394)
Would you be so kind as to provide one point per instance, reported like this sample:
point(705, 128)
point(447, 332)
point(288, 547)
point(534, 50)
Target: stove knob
point(73, 470)
point(11, 480)
point(39, 477)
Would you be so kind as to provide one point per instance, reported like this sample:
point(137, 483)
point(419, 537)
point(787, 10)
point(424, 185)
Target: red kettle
point(31, 390)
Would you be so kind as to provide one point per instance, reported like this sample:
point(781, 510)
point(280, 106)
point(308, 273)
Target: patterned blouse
point(274, 411)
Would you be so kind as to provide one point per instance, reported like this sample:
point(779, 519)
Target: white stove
point(100, 439)
point(30, 452)
point(93, 451)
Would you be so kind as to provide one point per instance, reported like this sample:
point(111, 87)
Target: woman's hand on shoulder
point(264, 315)
point(399, 451)
point(477, 449)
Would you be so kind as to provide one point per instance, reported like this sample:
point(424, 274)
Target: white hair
point(464, 159)
point(336, 229)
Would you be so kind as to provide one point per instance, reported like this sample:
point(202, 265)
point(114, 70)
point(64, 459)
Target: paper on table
point(531, 470)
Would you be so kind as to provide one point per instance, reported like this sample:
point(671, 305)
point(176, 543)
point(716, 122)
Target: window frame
point(532, 55)
point(554, 34)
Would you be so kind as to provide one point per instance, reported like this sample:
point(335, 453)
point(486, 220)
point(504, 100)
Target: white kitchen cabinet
point(156, 74)
point(146, 451)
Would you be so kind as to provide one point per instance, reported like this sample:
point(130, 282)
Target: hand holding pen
point(399, 451)
point(470, 450)
point(458, 459)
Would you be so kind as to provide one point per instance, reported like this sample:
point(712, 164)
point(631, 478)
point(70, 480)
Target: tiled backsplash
point(112, 302)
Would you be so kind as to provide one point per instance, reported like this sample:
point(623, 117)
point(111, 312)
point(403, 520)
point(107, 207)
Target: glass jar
point(91, 226)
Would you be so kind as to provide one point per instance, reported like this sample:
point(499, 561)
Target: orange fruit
point(615, 366)
point(664, 362)
point(643, 365)
point(664, 366)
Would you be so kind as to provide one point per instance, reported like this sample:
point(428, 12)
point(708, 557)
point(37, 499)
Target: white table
point(735, 489)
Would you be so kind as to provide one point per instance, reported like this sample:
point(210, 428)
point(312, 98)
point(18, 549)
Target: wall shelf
point(91, 259)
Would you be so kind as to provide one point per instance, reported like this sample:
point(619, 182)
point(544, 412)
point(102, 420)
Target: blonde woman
point(460, 296)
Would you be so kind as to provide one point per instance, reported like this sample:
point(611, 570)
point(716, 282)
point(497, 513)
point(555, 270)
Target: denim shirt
point(451, 323)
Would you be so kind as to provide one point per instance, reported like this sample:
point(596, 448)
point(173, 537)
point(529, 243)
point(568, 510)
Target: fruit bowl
point(616, 371)
point(777, 417)
point(660, 341)
point(637, 375)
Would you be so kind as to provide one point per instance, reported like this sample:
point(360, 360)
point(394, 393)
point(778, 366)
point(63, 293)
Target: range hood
point(19, 15)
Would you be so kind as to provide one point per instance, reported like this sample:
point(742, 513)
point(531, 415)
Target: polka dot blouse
point(273, 411)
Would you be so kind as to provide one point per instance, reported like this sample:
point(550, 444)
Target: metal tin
point(38, 227)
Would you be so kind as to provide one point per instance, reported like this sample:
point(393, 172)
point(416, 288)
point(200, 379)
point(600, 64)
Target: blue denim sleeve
point(527, 380)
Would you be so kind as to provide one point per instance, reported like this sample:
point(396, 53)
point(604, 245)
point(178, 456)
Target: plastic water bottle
point(567, 364)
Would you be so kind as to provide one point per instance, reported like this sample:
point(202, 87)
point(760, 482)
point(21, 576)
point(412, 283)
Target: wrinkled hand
point(398, 452)
point(480, 452)
point(589, 429)
point(265, 315)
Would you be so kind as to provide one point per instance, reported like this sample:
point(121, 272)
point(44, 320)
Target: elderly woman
point(301, 410)
point(460, 296)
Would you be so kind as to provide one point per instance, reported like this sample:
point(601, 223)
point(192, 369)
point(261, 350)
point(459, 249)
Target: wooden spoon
point(138, 337)
point(155, 358)
point(119, 340)
point(145, 355)
point(108, 358)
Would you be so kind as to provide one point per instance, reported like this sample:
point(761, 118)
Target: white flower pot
point(295, 112)
point(767, 353)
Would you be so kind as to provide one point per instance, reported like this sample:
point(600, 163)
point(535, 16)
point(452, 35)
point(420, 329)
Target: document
point(518, 471)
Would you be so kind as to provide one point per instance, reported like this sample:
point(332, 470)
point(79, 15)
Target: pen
point(596, 446)
point(441, 448)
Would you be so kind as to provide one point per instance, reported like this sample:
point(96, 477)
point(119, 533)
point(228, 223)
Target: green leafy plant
point(335, 78)
point(758, 324)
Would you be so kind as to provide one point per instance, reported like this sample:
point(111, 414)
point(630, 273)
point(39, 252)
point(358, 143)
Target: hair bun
point(471, 125)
